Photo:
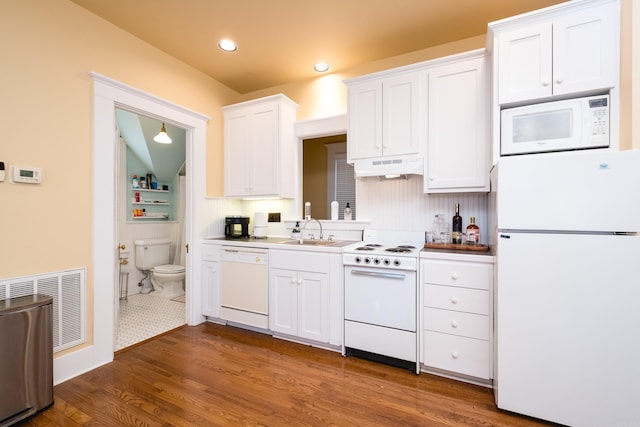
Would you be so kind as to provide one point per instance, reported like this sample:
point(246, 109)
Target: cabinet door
point(524, 63)
point(457, 153)
point(584, 50)
point(264, 153)
point(313, 308)
point(283, 315)
point(237, 146)
point(211, 288)
point(400, 112)
point(365, 120)
point(252, 150)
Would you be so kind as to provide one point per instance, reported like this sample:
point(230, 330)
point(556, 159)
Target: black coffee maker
point(236, 227)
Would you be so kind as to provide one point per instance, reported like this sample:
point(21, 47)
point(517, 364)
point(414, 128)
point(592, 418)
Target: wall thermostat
point(25, 175)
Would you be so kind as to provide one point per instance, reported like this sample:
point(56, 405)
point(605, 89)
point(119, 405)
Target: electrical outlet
point(274, 217)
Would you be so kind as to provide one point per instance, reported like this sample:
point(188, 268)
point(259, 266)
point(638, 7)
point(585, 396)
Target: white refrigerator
point(567, 291)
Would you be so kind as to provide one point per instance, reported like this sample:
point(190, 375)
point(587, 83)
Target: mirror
point(319, 186)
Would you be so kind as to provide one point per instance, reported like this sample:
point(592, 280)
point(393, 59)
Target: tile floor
point(143, 316)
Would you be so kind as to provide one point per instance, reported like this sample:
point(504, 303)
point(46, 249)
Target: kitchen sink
point(310, 242)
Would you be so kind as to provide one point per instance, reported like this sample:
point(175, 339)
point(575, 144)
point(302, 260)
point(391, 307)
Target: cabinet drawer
point(456, 323)
point(210, 253)
point(466, 356)
point(455, 273)
point(458, 299)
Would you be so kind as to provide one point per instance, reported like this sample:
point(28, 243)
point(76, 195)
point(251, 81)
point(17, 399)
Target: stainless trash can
point(26, 352)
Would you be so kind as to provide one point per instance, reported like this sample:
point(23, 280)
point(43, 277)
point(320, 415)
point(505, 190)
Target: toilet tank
point(152, 252)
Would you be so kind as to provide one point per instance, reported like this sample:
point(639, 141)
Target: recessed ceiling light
point(227, 45)
point(321, 67)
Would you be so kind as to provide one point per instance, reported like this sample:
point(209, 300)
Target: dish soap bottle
point(347, 212)
point(295, 233)
point(473, 232)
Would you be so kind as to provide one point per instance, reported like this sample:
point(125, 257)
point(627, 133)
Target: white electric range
point(380, 297)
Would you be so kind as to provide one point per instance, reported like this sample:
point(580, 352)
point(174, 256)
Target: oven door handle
point(379, 274)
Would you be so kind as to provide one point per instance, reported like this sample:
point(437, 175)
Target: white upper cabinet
point(260, 148)
point(457, 148)
point(384, 115)
point(560, 51)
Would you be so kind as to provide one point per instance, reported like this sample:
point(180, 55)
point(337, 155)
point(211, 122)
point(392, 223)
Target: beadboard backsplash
point(402, 205)
point(389, 204)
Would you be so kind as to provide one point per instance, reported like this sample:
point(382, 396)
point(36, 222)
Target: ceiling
point(280, 40)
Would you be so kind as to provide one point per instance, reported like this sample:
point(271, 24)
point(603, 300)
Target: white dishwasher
point(244, 286)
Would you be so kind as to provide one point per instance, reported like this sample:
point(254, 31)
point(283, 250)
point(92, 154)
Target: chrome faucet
point(305, 226)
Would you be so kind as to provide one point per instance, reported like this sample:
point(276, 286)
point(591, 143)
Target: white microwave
point(571, 124)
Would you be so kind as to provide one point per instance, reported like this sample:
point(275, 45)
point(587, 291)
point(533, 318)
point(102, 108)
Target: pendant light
point(162, 137)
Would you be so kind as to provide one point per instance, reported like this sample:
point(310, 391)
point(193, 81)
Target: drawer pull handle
point(454, 355)
point(454, 276)
point(454, 299)
point(454, 324)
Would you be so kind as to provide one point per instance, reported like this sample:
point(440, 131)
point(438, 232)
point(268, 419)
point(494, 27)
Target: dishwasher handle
point(242, 255)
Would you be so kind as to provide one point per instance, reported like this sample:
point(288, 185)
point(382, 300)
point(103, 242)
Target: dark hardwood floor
point(213, 375)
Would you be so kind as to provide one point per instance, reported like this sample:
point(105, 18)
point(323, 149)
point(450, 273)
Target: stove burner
point(406, 246)
point(399, 249)
point(368, 247)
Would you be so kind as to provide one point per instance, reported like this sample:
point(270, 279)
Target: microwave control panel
point(599, 115)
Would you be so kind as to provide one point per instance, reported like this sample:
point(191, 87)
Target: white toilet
point(152, 255)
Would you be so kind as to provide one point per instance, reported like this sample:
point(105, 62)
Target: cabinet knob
point(454, 276)
point(454, 324)
point(293, 281)
point(559, 80)
point(454, 355)
point(299, 281)
point(545, 83)
point(454, 299)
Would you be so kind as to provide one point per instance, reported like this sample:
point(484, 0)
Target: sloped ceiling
point(164, 161)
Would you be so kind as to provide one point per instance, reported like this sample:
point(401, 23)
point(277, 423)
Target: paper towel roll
point(260, 219)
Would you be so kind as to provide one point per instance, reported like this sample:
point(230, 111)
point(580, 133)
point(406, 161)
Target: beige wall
point(48, 48)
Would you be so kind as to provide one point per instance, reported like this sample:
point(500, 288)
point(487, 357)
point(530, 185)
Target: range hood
point(389, 167)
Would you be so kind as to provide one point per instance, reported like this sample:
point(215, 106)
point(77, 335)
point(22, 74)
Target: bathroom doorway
point(108, 94)
point(151, 186)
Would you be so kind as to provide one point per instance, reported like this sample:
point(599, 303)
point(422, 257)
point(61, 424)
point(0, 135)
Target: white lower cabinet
point(304, 295)
point(211, 280)
point(457, 317)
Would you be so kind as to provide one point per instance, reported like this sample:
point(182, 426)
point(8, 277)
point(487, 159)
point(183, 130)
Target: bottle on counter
point(334, 211)
point(473, 232)
point(456, 227)
point(295, 233)
point(347, 212)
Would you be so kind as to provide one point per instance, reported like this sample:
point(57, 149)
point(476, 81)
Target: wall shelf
point(149, 190)
point(151, 203)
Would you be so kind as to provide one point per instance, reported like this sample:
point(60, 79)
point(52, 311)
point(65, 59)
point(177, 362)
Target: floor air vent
point(69, 302)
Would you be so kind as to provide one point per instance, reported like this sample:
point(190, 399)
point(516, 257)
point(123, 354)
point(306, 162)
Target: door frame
point(107, 95)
